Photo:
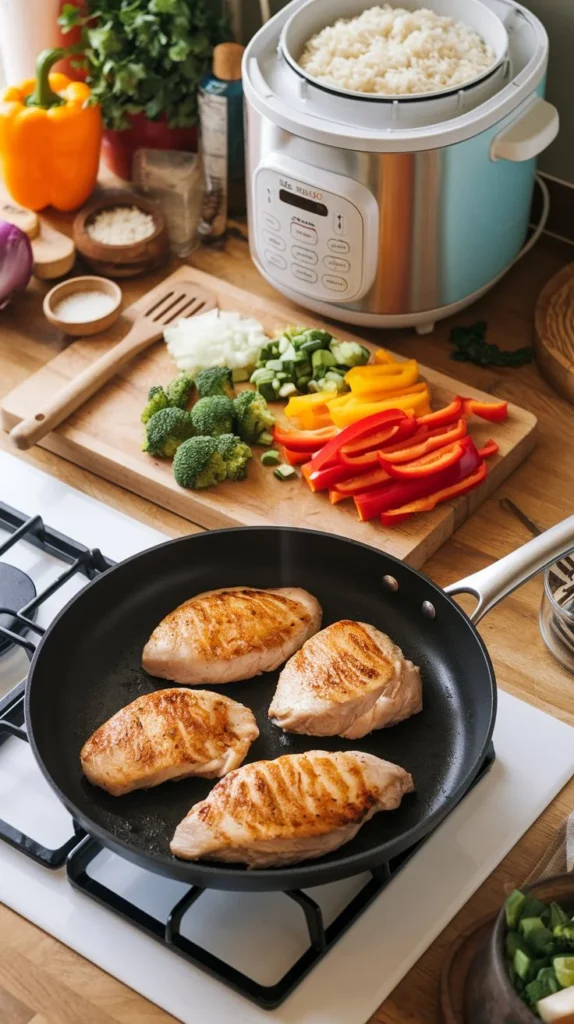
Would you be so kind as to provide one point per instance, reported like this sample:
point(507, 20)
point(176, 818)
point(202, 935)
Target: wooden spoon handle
point(82, 387)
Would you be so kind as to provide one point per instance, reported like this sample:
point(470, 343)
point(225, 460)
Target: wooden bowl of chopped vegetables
point(525, 973)
point(121, 234)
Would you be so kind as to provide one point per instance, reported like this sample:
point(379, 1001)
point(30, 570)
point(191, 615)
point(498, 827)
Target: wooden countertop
point(43, 982)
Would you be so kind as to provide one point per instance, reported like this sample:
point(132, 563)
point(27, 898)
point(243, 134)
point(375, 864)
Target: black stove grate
point(80, 850)
point(80, 560)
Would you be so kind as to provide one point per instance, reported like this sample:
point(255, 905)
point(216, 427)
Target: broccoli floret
point(198, 463)
point(179, 390)
point(349, 353)
point(213, 416)
point(166, 430)
point(236, 455)
point(216, 380)
point(157, 399)
point(253, 416)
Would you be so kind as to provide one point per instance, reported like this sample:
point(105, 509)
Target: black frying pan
point(88, 666)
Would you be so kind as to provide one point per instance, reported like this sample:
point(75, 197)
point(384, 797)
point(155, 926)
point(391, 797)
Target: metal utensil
point(183, 299)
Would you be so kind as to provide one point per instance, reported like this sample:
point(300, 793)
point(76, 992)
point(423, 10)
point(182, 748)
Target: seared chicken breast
point(169, 734)
point(234, 633)
point(295, 808)
point(346, 681)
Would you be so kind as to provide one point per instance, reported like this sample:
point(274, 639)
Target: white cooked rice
point(390, 51)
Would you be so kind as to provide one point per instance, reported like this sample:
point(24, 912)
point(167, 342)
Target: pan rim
point(210, 875)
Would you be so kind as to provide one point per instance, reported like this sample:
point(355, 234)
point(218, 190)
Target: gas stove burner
point(16, 590)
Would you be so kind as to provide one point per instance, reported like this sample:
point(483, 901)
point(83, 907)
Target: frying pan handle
point(490, 585)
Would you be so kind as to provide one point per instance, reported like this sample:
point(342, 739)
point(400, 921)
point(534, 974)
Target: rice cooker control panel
point(316, 231)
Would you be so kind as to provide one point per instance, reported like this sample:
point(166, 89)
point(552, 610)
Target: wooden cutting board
point(105, 436)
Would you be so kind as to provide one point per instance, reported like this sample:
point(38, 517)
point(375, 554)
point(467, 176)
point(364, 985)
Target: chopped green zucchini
point(274, 364)
point(287, 389)
point(267, 390)
point(270, 458)
point(284, 472)
point(265, 438)
point(522, 964)
point(513, 907)
point(321, 360)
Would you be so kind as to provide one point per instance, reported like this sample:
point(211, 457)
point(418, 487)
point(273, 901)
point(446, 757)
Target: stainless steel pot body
point(443, 223)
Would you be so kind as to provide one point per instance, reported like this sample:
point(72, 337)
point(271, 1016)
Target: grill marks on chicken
point(234, 633)
point(169, 734)
point(346, 681)
point(297, 807)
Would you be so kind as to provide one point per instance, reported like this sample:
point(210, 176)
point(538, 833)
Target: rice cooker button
point(303, 273)
point(304, 255)
point(271, 222)
point(274, 241)
point(334, 284)
point(304, 234)
point(336, 263)
point(338, 224)
point(275, 259)
point(338, 245)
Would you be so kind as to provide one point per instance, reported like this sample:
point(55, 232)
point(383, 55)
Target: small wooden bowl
point(83, 328)
point(490, 997)
point(121, 260)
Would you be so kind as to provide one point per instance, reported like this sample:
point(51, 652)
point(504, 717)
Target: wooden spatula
point(180, 299)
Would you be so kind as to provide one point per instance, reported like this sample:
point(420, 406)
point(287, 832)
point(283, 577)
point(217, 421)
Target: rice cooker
point(393, 211)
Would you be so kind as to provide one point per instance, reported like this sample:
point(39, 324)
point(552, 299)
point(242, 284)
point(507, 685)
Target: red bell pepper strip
point(385, 418)
point(402, 492)
point(296, 458)
point(442, 417)
point(438, 438)
point(494, 412)
point(304, 440)
point(349, 453)
point(429, 464)
point(363, 482)
point(490, 448)
point(326, 478)
point(398, 515)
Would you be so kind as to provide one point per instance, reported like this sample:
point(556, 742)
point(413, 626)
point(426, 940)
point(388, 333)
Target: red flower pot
point(118, 147)
point(70, 39)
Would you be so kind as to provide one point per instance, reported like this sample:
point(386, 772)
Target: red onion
point(16, 261)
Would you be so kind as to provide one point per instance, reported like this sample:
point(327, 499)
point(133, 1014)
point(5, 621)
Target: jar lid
point(227, 61)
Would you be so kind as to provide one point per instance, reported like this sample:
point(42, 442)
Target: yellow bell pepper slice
point(390, 377)
point(357, 410)
point(419, 388)
point(301, 403)
point(382, 356)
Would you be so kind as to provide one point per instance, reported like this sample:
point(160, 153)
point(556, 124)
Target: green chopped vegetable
point(349, 353)
point(179, 390)
point(265, 438)
point(236, 455)
point(522, 964)
point(538, 937)
point(471, 347)
point(166, 430)
point(321, 361)
point(565, 933)
point(270, 458)
point(215, 380)
point(557, 916)
point(564, 970)
point(253, 416)
point(545, 984)
point(157, 400)
point(284, 472)
point(199, 464)
point(213, 416)
point(512, 942)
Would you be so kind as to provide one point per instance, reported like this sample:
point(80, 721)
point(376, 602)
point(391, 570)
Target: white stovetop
point(535, 758)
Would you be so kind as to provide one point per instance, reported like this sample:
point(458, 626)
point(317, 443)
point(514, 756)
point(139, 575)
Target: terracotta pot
point(490, 997)
point(118, 148)
point(69, 39)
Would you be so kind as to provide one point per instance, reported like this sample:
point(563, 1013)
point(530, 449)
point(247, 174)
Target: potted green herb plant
point(144, 61)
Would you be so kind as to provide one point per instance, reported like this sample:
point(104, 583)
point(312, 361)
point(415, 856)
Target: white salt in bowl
point(73, 305)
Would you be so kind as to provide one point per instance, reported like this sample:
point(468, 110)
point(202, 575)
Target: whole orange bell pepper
point(49, 139)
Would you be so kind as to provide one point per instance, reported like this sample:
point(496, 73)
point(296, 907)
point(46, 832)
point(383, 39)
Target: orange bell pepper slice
point(382, 357)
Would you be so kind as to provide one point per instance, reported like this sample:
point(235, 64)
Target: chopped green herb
point(471, 347)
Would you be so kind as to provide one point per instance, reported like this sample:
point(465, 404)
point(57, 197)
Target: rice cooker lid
point(293, 101)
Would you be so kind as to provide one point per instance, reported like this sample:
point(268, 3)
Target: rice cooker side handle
point(527, 136)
